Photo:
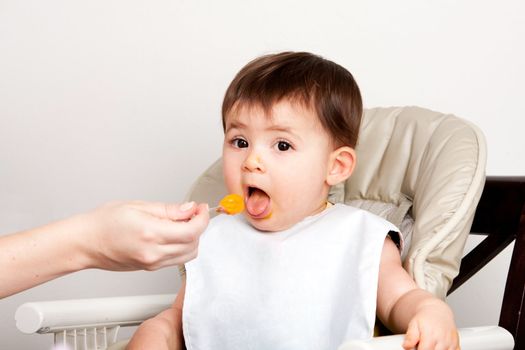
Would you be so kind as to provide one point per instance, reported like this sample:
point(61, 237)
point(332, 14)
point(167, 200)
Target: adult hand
point(141, 235)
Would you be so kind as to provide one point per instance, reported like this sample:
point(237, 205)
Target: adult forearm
point(35, 256)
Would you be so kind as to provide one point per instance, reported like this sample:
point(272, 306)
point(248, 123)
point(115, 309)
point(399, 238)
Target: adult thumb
point(168, 211)
point(180, 212)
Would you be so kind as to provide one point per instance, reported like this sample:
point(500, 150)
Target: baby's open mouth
point(258, 203)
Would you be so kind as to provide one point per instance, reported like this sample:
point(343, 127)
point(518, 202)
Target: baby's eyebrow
point(281, 128)
point(290, 131)
point(235, 125)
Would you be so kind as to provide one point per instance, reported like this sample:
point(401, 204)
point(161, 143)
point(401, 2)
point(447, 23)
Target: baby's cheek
point(232, 182)
point(231, 172)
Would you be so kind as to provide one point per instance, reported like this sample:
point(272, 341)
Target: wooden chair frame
point(500, 216)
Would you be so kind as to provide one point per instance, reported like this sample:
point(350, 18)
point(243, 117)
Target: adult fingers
point(171, 232)
point(185, 211)
point(179, 260)
point(170, 255)
point(167, 211)
point(181, 212)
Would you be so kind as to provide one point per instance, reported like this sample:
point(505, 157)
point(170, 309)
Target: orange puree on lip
point(232, 204)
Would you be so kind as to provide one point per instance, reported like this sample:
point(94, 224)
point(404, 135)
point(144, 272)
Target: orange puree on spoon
point(231, 204)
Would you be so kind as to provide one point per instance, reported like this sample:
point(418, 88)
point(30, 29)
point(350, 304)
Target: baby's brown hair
point(317, 83)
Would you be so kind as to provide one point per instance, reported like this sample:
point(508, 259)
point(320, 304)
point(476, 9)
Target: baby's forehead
point(282, 117)
point(290, 107)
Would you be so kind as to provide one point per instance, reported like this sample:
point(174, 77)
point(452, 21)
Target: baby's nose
point(253, 163)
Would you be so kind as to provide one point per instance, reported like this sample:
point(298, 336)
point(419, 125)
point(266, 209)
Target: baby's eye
point(240, 143)
point(283, 146)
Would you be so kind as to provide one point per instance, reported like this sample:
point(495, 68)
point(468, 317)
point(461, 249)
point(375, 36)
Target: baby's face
point(278, 163)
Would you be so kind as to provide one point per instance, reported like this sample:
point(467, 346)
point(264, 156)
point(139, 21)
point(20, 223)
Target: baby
point(294, 271)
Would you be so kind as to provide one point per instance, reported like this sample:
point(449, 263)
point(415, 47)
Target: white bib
point(312, 286)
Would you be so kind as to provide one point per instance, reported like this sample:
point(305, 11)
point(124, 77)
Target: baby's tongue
point(258, 203)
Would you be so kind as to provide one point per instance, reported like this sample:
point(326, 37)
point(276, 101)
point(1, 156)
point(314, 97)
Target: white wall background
point(103, 100)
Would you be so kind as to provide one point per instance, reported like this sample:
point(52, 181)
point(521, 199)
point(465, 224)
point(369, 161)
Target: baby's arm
point(163, 331)
point(403, 307)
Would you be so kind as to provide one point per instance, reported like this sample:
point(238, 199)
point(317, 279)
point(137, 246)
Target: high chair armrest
point(95, 322)
point(54, 316)
point(475, 338)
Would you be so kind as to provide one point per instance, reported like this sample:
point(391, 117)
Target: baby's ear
point(341, 166)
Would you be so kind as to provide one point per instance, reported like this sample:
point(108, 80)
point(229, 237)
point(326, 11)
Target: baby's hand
point(432, 328)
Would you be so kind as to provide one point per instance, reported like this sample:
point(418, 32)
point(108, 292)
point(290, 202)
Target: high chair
point(422, 170)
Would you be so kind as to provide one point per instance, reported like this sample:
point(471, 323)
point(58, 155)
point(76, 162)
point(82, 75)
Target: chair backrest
point(413, 162)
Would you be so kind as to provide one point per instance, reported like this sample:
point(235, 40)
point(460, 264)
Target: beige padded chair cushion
point(409, 155)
